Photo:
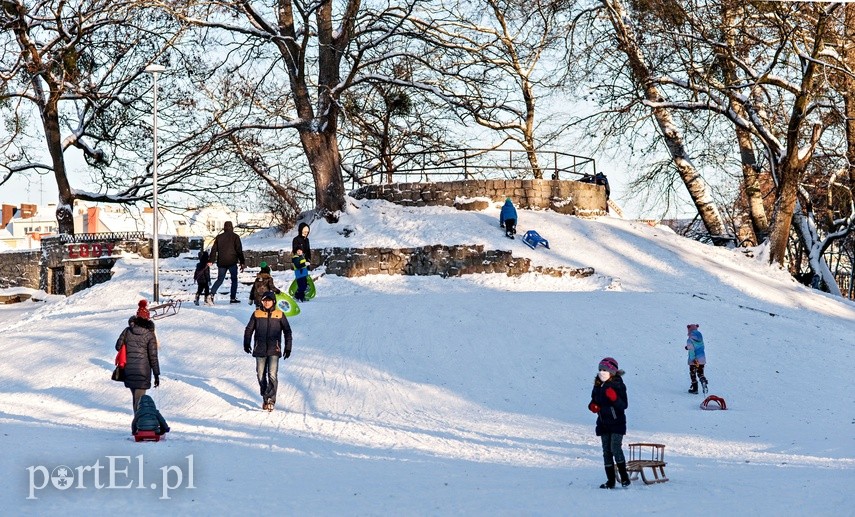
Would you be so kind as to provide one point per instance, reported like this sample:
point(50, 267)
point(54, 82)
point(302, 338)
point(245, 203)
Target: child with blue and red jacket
point(697, 357)
point(609, 402)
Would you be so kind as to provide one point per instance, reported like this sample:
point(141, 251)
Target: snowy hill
point(430, 396)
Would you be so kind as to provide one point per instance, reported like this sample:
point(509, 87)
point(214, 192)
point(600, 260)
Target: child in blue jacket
point(697, 358)
point(148, 418)
point(508, 218)
point(301, 272)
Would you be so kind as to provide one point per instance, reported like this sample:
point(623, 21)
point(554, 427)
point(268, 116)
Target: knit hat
point(692, 326)
point(610, 365)
point(142, 312)
point(263, 264)
point(269, 295)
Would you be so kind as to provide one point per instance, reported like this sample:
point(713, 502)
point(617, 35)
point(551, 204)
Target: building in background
point(24, 227)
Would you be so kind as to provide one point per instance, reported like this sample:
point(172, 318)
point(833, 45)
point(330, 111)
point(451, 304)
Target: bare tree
point(491, 60)
point(319, 49)
point(75, 67)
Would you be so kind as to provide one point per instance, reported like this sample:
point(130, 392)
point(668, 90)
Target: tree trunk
point(321, 149)
point(848, 89)
point(748, 158)
point(698, 189)
point(53, 138)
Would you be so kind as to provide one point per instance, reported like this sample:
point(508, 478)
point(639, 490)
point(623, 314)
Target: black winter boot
point(693, 388)
point(624, 475)
point(610, 477)
point(196, 300)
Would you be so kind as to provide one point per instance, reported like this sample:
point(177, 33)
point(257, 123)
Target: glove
point(593, 407)
point(242, 267)
point(156, 381)
point(611, 394)
point(287, 354)
point(246, 349)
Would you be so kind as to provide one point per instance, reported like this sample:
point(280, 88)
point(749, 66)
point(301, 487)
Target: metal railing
point(467, 164)
point(92, 237)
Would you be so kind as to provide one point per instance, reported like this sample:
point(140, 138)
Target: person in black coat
point(227, 252)
point(202, 276)
point(272, 341)
point(141, 350)
point(301, 242)
point(609, 402)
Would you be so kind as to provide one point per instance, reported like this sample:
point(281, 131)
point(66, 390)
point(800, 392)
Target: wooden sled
point(146, 436)
point(647, 456)
point(167, 308)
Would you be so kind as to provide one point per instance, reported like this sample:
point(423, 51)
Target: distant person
point(202, 277)
point(301, 242)
point(268, 324)
point(263, 283)
point(141, 349)
point(227, 252)
point(601, 179)
point(609, 402)
point(301, 274)
point(508, 218)
point(148, 418)
point(697, 358)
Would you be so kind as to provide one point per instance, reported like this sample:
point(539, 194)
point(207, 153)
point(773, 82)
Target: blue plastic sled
point(532, 239)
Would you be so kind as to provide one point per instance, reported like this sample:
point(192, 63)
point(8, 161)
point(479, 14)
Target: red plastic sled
point(146, 436)
point(712, 398)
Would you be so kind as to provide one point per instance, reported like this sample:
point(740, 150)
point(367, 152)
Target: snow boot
point(694, 388)
point(196, 300)
point(704, 385)
point(234, 300)
point(610, 477)
point(624, 475)
point(209, 300)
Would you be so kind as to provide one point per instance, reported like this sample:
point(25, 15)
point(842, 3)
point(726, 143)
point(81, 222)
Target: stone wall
point(20, 269)
point(566, 197)
point(436, 260)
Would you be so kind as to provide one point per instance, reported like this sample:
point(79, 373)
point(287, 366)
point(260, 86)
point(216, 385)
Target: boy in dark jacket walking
point(609, 402)
point(202, 276)
point(268, 324)
point(148, 418)
point(227, 252)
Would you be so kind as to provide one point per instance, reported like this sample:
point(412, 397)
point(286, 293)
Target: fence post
point(465, 165)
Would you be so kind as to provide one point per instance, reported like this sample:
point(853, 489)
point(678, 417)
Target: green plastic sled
point(310, 288)
point(287, 304)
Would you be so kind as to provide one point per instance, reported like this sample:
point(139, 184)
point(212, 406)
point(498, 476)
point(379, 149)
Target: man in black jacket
point(227, 252)
point(268, 324)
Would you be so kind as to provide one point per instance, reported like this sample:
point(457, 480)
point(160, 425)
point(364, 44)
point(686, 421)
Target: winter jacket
point(268, 326)
point(148, 418)
point(695, 346)
point(227, 250)
point(142, 353)
point(302, 243)
point(263, 283)
point(508, 212)
point(612, 417)
point(301, 269)
point(203, 273)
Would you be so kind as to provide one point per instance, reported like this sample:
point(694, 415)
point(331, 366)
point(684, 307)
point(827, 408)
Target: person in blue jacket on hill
point(508, 218)
point(697, 358)
point(609, 402)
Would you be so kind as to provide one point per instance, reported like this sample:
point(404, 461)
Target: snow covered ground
point(430, 396)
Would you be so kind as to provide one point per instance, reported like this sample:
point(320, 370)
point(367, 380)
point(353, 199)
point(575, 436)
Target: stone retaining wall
point(566, 197)
point(20, 269)
point(436, 260)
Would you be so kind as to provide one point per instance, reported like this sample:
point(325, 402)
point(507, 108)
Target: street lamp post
point(153, 70)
